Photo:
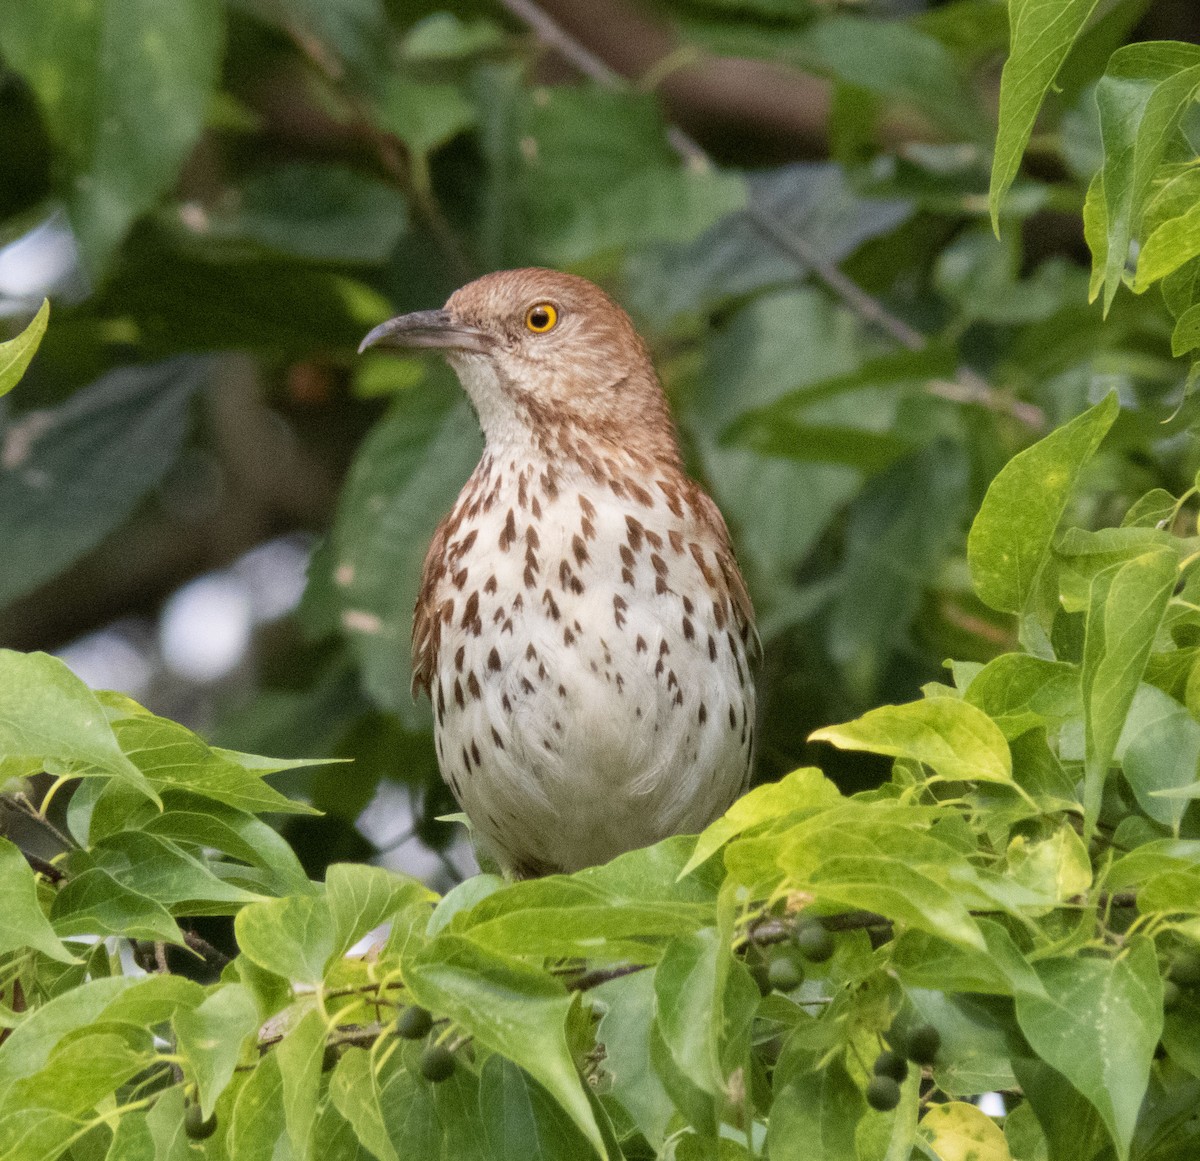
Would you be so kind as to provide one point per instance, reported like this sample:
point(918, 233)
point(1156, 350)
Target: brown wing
point(427, 623)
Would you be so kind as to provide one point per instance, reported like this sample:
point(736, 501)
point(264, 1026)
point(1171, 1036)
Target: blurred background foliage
point(208, 501)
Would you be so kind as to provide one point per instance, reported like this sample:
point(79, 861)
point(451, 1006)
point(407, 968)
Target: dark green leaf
point(71, 474)
point(404, 480)
point(124, 89)
point(354, 1089)
point(815, 1114)
point(94, 903)
point(522, 1121)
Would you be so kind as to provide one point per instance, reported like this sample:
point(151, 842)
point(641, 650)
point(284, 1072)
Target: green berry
point(784, 974)
point(194, 1124)
point(1171, 994)
point(1185, 971)
point(437, 1063)
point(414, 1023)
point(922, 1044)
point(883, 1094)
point(891, 1064)
point(814, 941)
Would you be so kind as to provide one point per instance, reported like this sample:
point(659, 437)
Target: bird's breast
point(589, 664)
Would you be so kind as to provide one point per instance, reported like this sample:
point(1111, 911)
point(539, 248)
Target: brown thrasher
point(582, 628)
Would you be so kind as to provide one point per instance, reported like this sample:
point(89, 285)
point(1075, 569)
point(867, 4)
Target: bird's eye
point(541, 318)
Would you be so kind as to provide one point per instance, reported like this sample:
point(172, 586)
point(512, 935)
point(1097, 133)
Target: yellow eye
point(541, 318)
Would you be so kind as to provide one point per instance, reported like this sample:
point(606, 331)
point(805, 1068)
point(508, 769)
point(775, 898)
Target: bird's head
point(535, 349)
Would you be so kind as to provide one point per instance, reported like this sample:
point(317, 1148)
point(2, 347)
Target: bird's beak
point(435, 329)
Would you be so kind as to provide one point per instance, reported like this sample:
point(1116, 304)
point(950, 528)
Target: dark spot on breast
point(732, 717)
point(535, 507)
point(466, 760)
point(688, 630)
point(653, 539)
point(627, 577)
point(640, 644)
point(639, 494)
point(676, 539)
point(526, 685)
point(660, 565)
point(562, 691)
point(471, 611)
point(688, 607)
point(494, 660)
point(490, 587)
point(530, 652)
point(460, 578)
point(587, 507)
point(568, 637)
point(579, 549)
point(459, 655)
point(619, 607)
point(551, 605)
point(634, 532)
point(712, 648)
point(508, 533)
point(522, 493)
point(627, 556)
point(663, 648)
point(497, 739)
point(531, 537)
point(458, 694)
point(530, 578)
point(702, 715)
point(473, 686)
point(505, 703)
point(475, 753)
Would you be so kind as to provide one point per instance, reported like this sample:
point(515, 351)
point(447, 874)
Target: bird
point(582, 628)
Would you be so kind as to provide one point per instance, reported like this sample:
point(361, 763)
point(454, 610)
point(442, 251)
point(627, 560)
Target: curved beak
point(434, 329)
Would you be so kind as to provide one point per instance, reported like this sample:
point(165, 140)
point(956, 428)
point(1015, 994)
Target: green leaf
point(160, 870)
point(688, 988)
point(1176, 240)
point(1127, 606)
point(73, 473)
point(1011, 538)
point(172, 757)
point(15, 355)
point(1099, 1026)
point(300, 1054)
point(1163, 755)
point(522, 1121)
point(22, 922)
point(814, 1114)
point(210, 1039)
point(405, 478)
point(328, 213)
point(958, 1129)
point(423, 115)
point(958, 741)
point(256, 1123)
point(1040, 36)
point(1020, 692)
point(1186, 335)
point(653, 205)
point(509, 1007)
point(293, 937)
point(803, 789)
point(409, 1110)
point(625, 1033)
point(48, 716)
point(360, 898)
point(1057, 867)
point(354, 1090)
point(1142, 98)
point(124, 88)
point(94, 903)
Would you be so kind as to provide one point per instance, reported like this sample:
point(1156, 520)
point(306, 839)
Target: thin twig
point(971, 387)
point(42, 867)
point(20, 803)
